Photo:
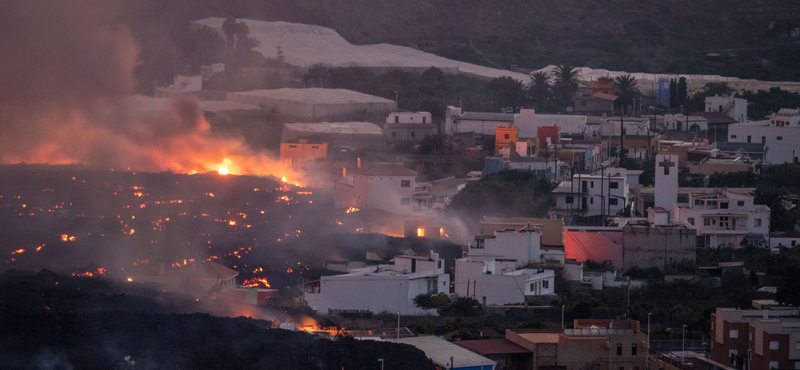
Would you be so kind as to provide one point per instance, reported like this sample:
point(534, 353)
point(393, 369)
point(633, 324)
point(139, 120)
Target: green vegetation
point(440, 300)
point(507, 194)
point(462, 307)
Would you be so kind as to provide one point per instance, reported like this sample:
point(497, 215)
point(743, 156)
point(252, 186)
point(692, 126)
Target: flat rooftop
point(342, 128)
point(313, 96)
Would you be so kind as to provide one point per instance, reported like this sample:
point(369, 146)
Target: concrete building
point(409, 126)
point(181, 84)
point(732, 107)
point(443, 190)
point(456, 121)
point(657, 242)
point(590, 344)
point(724, 218)
point(338, 135)
point(599, 244)
point(680, 122)
point(507, 354)
point(384, 186)
point(552, 229)
point(499, 282)
point(684, 149)
point(588, 101)
point(788, 239)
point(303, 152)
point(634, 126)
point(385, 288)
point(315, 103)
point(710, 166)
point(521, 246)
point(666, 179)
point(591, 195)
point(766, 338)
point(505, 140)
point(780, 134)
point(528, 123)
point(447, 355)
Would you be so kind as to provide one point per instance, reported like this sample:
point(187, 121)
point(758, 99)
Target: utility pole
point(562, 316)
point(398, 324)
point(648, 330)
point(683, 346)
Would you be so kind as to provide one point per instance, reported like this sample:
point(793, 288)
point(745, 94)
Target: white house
point(788, 239)
point(609, 126)
point(780, 134)
point(735, 108)
point(181, 84)
point(382, 288)
point(724, 218)
point(680, 122)
point(591, 195)
point(521, 246)
point(409, 126)
point(498, 282)
point(385, 186)
point(528, 121)
point(482, 123)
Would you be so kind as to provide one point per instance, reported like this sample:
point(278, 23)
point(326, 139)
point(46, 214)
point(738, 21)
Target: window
point(758, 222)
point(619, 349)
point(723, 205)
point(697, 202)
point(293, 146)
point(613, 185)
point(749, 139)
point(733, 334)
point(690, 220)
point(591, 200)
point(779, 138)
point(683, 198)
point(634, 349)
point(592, 185)
point(405, 183)
point(505, 136)
point(773, 345)
point(424, 119)
point(394, 134)
point(569, 200)
point(733, 136)
point(533, 287)
point(706, 222)
point(763, 140)
point(315, 147)
point(439, 264)
point(405, 201)
point(794, 243)
point(740, 203)
point(396, 119)
point(613, 201)
point(773, 364)
point(412, 134)
point(546, 284)
point(583, 103)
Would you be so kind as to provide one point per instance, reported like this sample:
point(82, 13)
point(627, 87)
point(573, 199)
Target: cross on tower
point(666, 163)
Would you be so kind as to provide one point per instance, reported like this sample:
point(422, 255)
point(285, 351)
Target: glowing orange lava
point(256, 283)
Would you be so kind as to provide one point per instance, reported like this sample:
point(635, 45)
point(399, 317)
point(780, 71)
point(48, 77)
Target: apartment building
point(591, 195)
point(780, 134)
point(767, 338)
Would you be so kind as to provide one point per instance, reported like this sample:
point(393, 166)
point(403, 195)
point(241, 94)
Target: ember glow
point(256, 283)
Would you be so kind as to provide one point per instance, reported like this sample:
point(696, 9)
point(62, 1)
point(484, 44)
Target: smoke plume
point(66, 85)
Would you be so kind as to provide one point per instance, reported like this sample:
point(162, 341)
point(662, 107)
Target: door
point(678, 125)
point(583, 203)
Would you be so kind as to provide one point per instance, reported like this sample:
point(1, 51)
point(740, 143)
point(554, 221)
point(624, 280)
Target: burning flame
point(256, 283)
point(223, 168)
point(351, 210)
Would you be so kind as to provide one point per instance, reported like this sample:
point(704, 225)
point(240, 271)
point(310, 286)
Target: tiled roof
point(715, 117)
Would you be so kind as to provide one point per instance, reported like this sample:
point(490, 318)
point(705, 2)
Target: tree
point(229, 28)
point(432, 301)
point(789, 286)
point(504, 194)
point(540, 89)
point(566, 83)
point(462, 306)
point(627, 89)
point(775, 199)
point(673, 93)
point(682, 92)
point(507, 92)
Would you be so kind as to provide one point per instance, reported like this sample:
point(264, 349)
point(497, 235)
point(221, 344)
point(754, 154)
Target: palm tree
point(229, 27)
point(566, 83)
point(539, 89)
point(627, 91)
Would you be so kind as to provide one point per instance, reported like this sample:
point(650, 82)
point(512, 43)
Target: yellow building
point(505, 137)
point(302, 152)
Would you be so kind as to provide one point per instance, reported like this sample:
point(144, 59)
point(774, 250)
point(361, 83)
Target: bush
point(462, 306)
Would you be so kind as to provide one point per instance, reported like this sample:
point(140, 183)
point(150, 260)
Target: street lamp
point(398, 324)
point(381, 361)
point(683, 346)
point(648, 329)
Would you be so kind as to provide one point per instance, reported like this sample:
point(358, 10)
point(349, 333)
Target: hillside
point(528, 33)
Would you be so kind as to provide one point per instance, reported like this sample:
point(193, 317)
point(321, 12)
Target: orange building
point(302, 152)
point(604, 85)
point(505, 138)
